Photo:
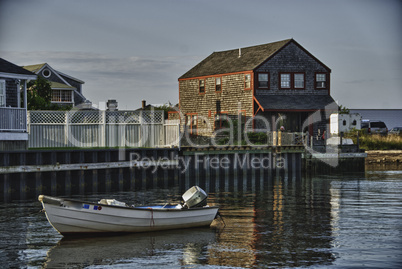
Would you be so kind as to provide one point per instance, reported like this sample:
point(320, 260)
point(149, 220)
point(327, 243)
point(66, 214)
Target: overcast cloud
point(134, 50)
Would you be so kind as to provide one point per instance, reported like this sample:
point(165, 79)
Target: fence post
point(123, 127)
point(279, 138)
point(164, 129)
point(141, 127)
point(28, 122)
point(66, 128)
point(103, 129)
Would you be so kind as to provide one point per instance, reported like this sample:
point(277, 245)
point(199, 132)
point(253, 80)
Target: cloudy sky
point(132, 50)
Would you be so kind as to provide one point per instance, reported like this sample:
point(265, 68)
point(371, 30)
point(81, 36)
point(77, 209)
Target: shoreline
point(384, 157)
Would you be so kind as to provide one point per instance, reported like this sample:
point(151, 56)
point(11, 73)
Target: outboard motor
point(195, 197)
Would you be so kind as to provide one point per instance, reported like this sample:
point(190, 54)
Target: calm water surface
point(349, 221)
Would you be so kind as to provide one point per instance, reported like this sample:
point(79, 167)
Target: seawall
point(25, 174)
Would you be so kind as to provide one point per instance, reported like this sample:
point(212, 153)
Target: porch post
point(18, 94)
point(24, 89)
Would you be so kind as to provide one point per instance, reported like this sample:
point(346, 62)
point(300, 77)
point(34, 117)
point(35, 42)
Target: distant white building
point(340, 123)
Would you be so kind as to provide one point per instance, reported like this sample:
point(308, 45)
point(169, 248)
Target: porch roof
point(294, 102)
point(11, 70)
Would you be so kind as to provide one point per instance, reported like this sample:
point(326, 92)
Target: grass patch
point(376, 142)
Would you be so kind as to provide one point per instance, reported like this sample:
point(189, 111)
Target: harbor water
point(321, 221)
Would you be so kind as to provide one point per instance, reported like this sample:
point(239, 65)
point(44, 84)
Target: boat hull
point(73, 217)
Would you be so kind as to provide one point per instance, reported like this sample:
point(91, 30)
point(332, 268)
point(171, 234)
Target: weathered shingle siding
point(11, 93)
point(280, 57)
point(52, 77)
point(292, 59)
point(232, 98)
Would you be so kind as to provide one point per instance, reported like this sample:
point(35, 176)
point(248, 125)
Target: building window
point(218, 84)
point(299, 81)
point(220, 119)
point(292, 81)
point(320, 81)
point(263, 80)
point(2, 93)
point(218, 106)
point(63, 96)
point(193, 124)
point(247, 81)
point(285, 80)
point(46, 73)
point(201, 86)
point(192, 121)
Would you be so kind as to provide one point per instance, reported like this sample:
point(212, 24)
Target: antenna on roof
point(239, 52)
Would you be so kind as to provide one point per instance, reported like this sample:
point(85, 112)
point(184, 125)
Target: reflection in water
point(128, 249)
point(335, 207)
point(286, 223)
point(272, 221)
point(235, 245)
point(277, 208)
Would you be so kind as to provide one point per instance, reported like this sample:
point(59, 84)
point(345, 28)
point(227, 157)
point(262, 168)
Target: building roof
point(9, 68)
point(239, 60)
point(294, 102)
point(34, 68)
point(229, 61)
point(60, 86)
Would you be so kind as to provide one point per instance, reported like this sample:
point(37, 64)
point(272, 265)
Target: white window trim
point(61, 101)
point(285, 80)
point(259, 81)
point(322, 83)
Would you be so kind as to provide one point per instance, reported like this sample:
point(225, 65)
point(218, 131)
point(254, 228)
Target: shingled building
point(281, 82)
point(66, 90)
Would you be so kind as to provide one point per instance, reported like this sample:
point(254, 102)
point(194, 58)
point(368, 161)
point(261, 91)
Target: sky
point(136, 50)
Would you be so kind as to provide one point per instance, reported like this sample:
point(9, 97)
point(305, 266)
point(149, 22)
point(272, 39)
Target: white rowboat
point(70, 216)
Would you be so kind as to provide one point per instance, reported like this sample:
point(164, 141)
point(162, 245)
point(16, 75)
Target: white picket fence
point(89, 129)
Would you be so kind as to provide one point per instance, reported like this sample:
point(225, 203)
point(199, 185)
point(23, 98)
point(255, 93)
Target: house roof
point(229, 61)
point(9, 68)
point(239, 60)
point(294, 102)
point(60, 86)
point(34, 68)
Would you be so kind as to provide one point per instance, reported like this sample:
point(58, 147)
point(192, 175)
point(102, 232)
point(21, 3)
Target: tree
point(343, 110)
point(39, 94)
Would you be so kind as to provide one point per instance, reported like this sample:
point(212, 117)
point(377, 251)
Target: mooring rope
point(220, 216)
point(152, 223)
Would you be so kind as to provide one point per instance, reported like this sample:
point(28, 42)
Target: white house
point(13, 106)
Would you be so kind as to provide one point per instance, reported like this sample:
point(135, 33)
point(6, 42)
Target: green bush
point(258, 138)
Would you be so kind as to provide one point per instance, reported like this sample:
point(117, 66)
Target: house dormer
point(66, 90)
